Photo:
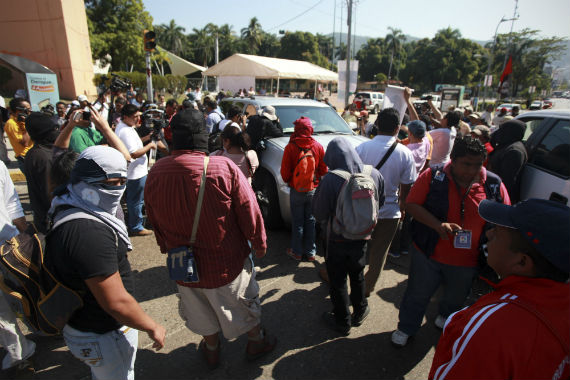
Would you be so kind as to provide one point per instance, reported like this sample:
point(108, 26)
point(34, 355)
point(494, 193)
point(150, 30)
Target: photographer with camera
point(15, 128)
point(137, 170)
point(86, 134)
point(364, 124)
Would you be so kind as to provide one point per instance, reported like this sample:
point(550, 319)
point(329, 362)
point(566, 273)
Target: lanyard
point(462, 209)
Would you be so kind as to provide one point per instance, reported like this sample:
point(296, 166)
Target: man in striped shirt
point(226, 296)
point(520, 330)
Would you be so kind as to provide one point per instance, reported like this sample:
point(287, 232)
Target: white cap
point(82, 98)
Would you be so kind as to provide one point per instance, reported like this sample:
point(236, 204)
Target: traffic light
point(149, 40)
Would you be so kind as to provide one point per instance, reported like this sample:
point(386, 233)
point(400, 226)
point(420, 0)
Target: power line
point(293, 18)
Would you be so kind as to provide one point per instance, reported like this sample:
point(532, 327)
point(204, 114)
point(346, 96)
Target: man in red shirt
point(226, 295)
point(522, 329)
point(446, 232)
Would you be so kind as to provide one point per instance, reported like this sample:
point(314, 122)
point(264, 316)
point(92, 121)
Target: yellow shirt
point(15, 131)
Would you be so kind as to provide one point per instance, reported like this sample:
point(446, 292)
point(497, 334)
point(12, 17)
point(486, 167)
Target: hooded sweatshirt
point(494, 339)
point(301, 139)
point(340, 155)
point(509, 156)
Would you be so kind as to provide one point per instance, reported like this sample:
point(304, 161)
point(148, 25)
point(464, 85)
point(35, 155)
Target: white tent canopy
point(180, 66)
point(243, 65)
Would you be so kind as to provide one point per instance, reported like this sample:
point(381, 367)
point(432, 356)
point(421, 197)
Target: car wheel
point(376, 108)
point(267, 199)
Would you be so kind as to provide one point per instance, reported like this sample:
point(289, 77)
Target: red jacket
point(301, 138)
point(494, 339)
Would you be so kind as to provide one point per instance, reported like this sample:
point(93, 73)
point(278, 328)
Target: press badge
point(462, 239)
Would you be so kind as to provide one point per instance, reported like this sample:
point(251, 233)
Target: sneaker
point(440, 322)
point(293, 255)
point(394, 254)
point(357, 320)
point(212, 357)
point(255, 350)
point(143, 232)
point(24, 369)
point(331, 322)
point(399, 338)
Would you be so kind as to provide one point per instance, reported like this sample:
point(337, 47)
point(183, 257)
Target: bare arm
point(20, 223)
point(112, 296)
point(436, 112)
point(419, 213)
point(64, 136)
point(112, 139)
point(411, 108)
point(26, 140)
point(143, 150)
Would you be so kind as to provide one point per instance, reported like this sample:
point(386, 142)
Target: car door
point(547, 172)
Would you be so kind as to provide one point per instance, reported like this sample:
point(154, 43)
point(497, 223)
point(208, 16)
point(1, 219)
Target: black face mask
point(22, 116)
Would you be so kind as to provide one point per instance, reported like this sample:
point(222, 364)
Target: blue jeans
point(111, 355)
point(135, 201)
point(302, 223)
point(425, 277)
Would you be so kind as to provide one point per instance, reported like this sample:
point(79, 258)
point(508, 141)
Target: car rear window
point(553, 151)
point(363, 95)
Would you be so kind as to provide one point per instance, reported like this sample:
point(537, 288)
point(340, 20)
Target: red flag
point(508, 70)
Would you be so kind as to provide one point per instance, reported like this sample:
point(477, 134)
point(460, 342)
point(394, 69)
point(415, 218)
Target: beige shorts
point(234, 308)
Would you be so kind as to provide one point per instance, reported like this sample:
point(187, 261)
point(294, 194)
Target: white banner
point(342, 78)
point(394, 98)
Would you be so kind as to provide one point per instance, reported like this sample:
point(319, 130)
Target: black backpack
point(215, 138)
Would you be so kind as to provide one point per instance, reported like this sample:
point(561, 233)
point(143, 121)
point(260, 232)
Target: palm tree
point(252, 35)
point(394, 41)
point(203, 43)
point(172, 35)
point(159, 57)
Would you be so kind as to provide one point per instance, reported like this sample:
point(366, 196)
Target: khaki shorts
point(234, 308)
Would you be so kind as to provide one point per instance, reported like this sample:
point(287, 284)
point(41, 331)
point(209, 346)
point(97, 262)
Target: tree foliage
point(115, 30)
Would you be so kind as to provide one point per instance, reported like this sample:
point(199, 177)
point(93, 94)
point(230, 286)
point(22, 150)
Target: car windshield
point(324, 119)
point(362, 95)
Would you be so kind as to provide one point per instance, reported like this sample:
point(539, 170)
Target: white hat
point(269, 112)
point(82, 98)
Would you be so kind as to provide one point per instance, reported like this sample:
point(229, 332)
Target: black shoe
point(331, 322)
point(358, 319)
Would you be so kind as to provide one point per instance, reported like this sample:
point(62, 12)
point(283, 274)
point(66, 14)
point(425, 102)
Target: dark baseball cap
point(417, 128)
point(545, 224)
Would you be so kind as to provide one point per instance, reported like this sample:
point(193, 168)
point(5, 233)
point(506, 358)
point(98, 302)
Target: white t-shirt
point(223, 124)
point(105, 112)
point(398, 169)
point(443, 139)
point(10, 207)
point(139, 167)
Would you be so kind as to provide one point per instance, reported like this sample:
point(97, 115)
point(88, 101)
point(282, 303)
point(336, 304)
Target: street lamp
point(503, 19)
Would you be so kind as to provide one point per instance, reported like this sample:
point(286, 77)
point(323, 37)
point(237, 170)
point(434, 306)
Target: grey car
point(272, 193)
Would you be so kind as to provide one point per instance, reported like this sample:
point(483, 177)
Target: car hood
point(324, 140)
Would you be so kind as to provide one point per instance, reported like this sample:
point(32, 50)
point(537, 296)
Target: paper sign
point(42, 90)
point(394, 98)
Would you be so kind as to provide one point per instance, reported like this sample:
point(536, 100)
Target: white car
point(547, 172)
point(373, 101)
point(272, 193)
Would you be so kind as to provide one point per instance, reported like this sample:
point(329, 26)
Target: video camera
point(118, 83)
point(154, 120)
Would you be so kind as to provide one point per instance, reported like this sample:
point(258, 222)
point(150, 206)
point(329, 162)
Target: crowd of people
point(439, 187)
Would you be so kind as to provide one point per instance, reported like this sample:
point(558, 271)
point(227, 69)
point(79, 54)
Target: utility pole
point(334, 24)
point(349, 22)
point(217, 60)
point(513, 19)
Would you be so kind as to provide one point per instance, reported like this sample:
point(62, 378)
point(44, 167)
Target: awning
point(266, 67)
point(180, 66)
point(25, 65)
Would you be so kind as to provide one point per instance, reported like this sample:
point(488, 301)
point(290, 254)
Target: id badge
point(462, 239)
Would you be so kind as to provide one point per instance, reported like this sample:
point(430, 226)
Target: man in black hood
point(43, 130)
point(344, 256)
point(509, 155)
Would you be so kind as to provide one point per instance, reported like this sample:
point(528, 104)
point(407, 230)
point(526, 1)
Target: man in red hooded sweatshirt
point(302, 167)
point(522, 329)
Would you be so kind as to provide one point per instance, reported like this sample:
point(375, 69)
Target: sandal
point(255, 350)
point(212, 356)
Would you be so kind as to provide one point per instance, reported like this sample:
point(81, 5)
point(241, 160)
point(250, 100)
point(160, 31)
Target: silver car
point(272, 193)
point(546, 175)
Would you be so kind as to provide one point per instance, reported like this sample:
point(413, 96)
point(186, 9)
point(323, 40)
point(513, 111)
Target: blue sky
point(475, 19)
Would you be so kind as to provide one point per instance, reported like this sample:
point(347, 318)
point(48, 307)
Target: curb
point(17, 176)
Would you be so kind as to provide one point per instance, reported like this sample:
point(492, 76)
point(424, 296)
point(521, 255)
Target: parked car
point(369, 101)
point(435, 99)
point(547, 139)
point(535, 105)
point(546, 104)
point(508, 106)
point(272, 193)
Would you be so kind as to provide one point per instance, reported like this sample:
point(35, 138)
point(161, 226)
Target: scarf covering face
point(302, 133)
point(95, 164)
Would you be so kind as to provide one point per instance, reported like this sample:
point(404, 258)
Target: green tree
point(252, 35)
point(371, 59)
point(530, 54)
point(302, 46)
point(270, 45)
point(203, 44)
point(115, 28)
point(170, 36)
point(394, 41)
